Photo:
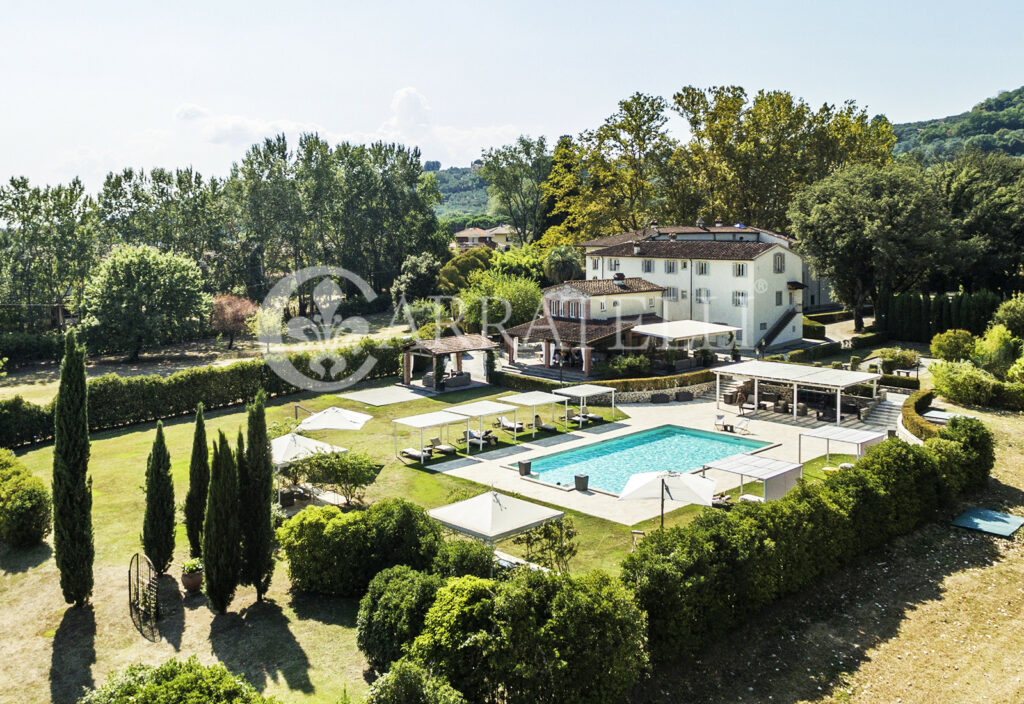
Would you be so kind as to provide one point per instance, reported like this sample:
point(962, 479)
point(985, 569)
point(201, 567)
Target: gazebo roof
point(753, 466)
point(492, 516)
point(840, 434)
point(438, 346)
point(532, 398)
point(430, 420)
point(584, 390)
point(683, 329)
point(481, 408)
point(798, 373)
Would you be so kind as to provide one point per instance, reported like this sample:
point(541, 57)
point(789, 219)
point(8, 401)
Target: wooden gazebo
point(440, 347)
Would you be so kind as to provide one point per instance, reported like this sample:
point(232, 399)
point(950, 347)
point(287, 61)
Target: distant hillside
point(462, 191)
point(993, 124)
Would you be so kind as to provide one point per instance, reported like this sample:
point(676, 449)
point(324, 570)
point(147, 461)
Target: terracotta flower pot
point(192, 582)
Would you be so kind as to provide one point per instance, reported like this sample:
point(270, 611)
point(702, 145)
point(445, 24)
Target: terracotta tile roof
point(610, 287)
point(691, 249)
point(576, 332)
point(471, 232)
point(635, 235)
point(453, 343)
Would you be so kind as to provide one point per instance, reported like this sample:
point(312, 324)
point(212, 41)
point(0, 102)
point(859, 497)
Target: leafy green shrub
point(22, 422)
point(21, 348)
point(836, 365)
point(996, 351)
point(508, 300)
point(625, 366)
point(391, 613)
point(833, 317)
point(952, 464)
point(536, 638)
point(913, 421)
point(953, 346)
point(813, 330)
point(458, 558)
point(855, 363)
point(26, 508)
point(1008, 395)
point(909, 476)
point(175, 682)
point(346, 473)
point(869, 339)
point(337, 553)
point(1009, 313)
point(978, 443)
point(798, 357)
point(410, 683)
point(425, 311)
point(963, 383)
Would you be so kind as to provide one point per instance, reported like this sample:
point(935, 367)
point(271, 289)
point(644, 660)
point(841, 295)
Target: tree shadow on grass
point(14, 560)
point(800, 647)
point(258, 643)
point(171, 624)
point(326, 610)
point(74, 652)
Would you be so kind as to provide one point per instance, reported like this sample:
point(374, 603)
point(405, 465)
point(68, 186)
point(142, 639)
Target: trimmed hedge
point(813, 330)
point(337, 553)
point(913, 421)
point(832, 317)
point(518, 382)
point(118, 401)
point(868, 339)
point(696, 581)
point(176, 682)
point(900, 382)
point(21, 348)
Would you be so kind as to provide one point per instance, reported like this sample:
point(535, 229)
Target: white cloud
point(410, 123)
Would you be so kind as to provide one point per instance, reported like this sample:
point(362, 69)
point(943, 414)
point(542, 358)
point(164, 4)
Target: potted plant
point(735, 352)
point(192, 575)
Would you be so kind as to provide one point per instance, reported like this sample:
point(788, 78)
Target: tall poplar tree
point(158, 524)
point(220, 531)
point(198, 484)
point(255, 493)
point(72, 487)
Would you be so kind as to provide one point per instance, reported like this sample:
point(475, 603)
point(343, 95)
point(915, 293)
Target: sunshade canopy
point(533, 398)
point(683, 329)
point(478, 409)
point(689, 488)
point(798, 373)
point(840, 434)
point(292, 448)
point(335, 418)
point(492, 516)
point(753, 466)
point(430, 420)
point(584, 390)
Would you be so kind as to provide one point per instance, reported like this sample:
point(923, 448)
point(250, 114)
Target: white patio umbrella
point(334, 418)
point(292, 448)
point(688, 488)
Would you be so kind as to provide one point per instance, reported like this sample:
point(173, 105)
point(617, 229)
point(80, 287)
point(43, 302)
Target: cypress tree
point(947, 323)
point(256, 493)
point(955, 316)
point(198, 483)
point(926, 318)
point(158, 524)
point(220, 530)
point(72, 487)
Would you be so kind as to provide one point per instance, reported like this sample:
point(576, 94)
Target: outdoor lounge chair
point(575, 418)
point(438, 446)
point(508, 425)
point(742, 424)
point(720, 421)
point(415, 454)
point(473, 437)
point(541, 425)
point(594, 417)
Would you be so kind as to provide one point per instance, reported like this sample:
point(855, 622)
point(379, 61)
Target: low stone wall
point(623, 397)
point(905, 435)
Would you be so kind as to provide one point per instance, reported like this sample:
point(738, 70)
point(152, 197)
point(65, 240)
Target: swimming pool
point(611, 463)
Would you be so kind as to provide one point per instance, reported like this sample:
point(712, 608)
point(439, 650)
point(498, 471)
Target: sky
point(89, 88)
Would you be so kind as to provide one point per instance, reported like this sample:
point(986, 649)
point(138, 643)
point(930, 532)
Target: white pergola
point(797, 375)
point(680, 330)
point(581, 392)
point(831, 434)
point(427, 420)
point(491, 517)
point(534, 399)
point(777, 477)
point(481, 409)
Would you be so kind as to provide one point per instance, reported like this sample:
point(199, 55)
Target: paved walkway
point(499, 472)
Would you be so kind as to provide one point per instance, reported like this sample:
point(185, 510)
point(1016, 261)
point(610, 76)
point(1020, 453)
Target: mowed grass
point(299, 646)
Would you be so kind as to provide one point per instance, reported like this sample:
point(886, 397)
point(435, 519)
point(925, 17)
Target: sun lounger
point(541, 425)
point(475, 438)
point(508, 425)
point(742, 424)
point(753, 498)
point(413, 453)
point(720, 421)
point(441, 447)
point(594, 417)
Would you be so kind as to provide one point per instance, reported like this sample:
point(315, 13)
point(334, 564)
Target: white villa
point(741, 277)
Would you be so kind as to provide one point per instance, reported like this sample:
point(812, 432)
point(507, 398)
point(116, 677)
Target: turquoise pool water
point(611, 463)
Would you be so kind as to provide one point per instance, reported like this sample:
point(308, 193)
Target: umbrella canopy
point(688, 488)
point(335, 418)
point(492, 516)
point(292, 448)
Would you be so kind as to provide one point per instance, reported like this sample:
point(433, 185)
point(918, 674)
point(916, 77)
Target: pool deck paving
point(501, 473)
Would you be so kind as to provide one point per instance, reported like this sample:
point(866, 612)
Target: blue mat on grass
point(982, 519)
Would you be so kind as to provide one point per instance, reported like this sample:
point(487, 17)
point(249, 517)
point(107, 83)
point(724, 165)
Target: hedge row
point(117, 401)
point(913, 421)
point(837, 316)
point(696, 581)
point(813, 330)
point(517, 382)
point(21, 348)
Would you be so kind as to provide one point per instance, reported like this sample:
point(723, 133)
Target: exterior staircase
point(769, 337)
point(887, 412)
point(539, 371)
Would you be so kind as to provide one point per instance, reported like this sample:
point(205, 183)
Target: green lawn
point(295, 645)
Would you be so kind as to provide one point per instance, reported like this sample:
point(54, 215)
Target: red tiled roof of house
point(610, 287)
point(688, 249)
